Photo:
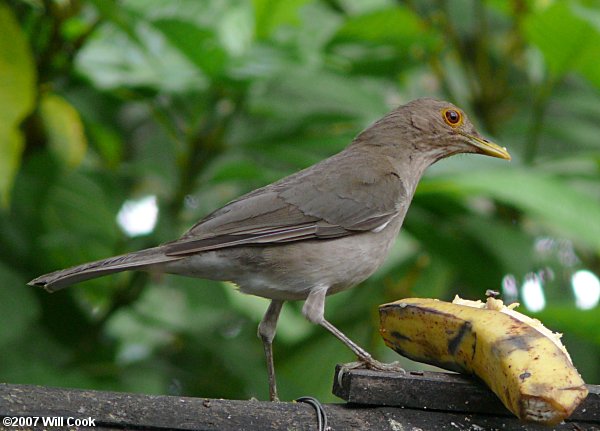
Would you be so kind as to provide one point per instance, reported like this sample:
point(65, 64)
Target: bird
point(316, 232)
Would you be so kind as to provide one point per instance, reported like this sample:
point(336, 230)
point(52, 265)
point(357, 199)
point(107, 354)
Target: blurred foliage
point(197, 102)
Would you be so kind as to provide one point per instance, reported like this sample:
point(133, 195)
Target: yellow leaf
point(64, 129)
point(17, 91)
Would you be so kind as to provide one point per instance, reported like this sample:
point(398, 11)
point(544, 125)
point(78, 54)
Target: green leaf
point(112, 60)
point(64, 129)
point(318, 93)
point(567, 41)
point(17, 92)
point(587, 64)
point(543, 197)
point(390, 25)
point(197, 44)
point(384, 42)
point(122, 17)
point(270, 14)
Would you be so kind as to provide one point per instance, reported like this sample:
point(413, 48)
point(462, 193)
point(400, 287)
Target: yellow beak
point(487, 147)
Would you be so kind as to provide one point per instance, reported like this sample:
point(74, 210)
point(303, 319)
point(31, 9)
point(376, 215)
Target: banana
point(521, 361)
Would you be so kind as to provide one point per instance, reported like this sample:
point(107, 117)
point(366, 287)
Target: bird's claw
point(392, 367)
point(373, 364)
point(370, 364)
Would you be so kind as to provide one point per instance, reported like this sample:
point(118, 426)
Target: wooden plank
point(435, 391)
point(419, 390)
point(118, 411)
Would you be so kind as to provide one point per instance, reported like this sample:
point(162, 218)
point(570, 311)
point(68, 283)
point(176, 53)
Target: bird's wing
point(329, 200)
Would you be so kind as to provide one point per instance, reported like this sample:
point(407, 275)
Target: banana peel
point(522, 362)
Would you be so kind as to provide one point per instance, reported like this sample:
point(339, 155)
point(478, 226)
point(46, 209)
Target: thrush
point(316, 232)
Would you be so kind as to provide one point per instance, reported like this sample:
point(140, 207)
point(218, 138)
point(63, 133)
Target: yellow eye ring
point(452, 117)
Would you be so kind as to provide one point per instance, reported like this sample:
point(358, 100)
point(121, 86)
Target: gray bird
point(316, 232)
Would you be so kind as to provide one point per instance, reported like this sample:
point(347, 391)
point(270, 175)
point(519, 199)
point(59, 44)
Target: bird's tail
point(142, 259)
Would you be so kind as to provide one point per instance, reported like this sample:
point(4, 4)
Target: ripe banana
point(524, 363)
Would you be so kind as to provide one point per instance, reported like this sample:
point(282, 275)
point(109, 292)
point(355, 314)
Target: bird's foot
point(369, 363)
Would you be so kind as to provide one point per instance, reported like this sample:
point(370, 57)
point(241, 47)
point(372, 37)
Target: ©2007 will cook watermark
point(47, 421)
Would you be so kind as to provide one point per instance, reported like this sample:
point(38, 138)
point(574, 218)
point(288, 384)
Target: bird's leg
point(314, 311)
point(266, 332)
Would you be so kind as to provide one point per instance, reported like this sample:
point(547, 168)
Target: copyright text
point(47, 421)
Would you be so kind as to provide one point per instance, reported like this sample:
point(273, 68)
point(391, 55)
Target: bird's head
point(446, 130)
point(431, 129)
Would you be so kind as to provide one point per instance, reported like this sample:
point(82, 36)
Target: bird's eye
point(452, 117)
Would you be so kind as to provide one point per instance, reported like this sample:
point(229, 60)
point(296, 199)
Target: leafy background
point(197, 102)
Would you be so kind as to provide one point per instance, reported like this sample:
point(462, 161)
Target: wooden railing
point(375, 401)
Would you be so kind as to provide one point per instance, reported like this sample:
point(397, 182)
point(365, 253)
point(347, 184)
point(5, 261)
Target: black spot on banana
point(524, 363)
